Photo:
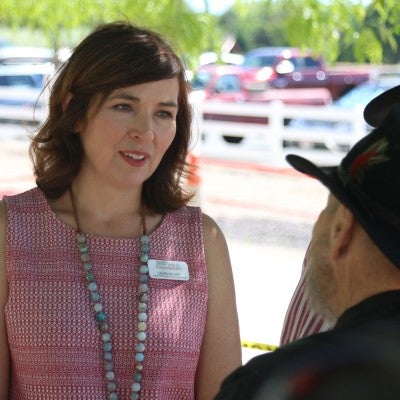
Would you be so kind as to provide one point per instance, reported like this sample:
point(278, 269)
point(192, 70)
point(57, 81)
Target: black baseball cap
point(376, 110)
point(367, 182)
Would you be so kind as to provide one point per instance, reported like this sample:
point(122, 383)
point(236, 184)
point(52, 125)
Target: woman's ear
point(342, 231)
point(66, 101)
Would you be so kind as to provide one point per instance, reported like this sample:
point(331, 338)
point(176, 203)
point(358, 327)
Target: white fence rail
point(261, 142)
point(265, 142)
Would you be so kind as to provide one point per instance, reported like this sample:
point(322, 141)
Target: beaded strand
point(101, 316)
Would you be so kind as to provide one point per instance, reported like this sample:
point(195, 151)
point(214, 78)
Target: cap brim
point(377, 109)
point(385, 237)
point(326, 175)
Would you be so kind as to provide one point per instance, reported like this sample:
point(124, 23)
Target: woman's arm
point(221, 348)
point(4, 352)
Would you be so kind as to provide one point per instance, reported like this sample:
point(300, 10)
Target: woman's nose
point(142, 128)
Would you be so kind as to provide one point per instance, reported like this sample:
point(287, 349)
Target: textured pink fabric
point(54, 340)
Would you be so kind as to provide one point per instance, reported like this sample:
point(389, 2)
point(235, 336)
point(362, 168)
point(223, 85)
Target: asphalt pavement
point(266, 214)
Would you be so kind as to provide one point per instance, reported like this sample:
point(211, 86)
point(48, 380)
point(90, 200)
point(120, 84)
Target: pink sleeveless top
point(54, 340)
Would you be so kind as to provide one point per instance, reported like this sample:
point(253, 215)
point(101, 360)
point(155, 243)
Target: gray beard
point(317, 298)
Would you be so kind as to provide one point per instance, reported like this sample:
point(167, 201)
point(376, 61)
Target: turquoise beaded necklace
point(102, 318)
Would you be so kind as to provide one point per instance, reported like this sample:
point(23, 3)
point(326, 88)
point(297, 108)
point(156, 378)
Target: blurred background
point(268, 78)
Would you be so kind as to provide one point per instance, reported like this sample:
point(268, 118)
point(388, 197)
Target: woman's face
point(126, 137)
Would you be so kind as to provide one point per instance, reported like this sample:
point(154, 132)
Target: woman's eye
point(165, 114)
point(122, 107)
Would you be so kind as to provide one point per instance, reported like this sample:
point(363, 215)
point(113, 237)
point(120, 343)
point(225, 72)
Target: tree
point(383, 20)
point(340, 30)
point(330, 27)
point(64, 23)
point(255, 23)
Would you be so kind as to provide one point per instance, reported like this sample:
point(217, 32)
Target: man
point(353, 276)
point(300, 320)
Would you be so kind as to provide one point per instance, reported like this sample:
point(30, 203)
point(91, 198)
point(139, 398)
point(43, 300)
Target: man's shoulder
point(315, 352)
point(244, 382)
point(337, 358)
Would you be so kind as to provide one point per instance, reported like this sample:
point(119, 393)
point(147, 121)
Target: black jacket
point(368, 333)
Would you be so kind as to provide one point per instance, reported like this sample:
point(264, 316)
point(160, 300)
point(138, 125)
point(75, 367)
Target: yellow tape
point(259, 346)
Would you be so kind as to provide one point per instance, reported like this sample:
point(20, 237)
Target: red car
point(235, 83)
point(222, 82)
point(285, 68)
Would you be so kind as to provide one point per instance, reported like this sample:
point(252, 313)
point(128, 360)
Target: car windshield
point(200, 80)
point(39, 80)
point(33, 80)
point(257, 60)
point(361, 95)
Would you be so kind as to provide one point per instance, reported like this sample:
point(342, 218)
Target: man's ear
point(342, 231)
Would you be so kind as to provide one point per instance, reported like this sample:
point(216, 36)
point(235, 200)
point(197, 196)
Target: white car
point(23, 93)
point(357, 97)
point(26, 55)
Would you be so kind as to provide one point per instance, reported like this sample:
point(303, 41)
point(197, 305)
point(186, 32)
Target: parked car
point(26, 75)
point(222, 82)
point(4, 42)
point(233, 83)
point(284, 67)
point(23, 94)
point(26, 55)
point(359, 96)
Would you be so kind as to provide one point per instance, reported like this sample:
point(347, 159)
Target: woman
point(111, 286)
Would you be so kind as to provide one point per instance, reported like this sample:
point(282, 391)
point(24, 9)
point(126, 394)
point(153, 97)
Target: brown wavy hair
point(113, 56)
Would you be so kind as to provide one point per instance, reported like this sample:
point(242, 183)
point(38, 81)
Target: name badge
point(164, 269)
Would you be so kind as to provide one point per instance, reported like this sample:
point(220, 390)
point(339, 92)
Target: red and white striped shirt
point(300, 320)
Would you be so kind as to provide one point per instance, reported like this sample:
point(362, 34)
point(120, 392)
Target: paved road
point(266, 214)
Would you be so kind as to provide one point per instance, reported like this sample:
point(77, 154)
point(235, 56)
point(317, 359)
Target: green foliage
point(65, 22)
point(383, 19)
point(340, 30)
point(368, 47)
point(255, 23)
point(365, 32)
point(323, 27)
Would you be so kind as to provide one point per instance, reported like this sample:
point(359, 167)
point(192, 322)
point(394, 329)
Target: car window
point(298, 62)
point(227, 84)
point(311, 62)
point(259, 60)
point(19, 80)
point(304, 62)
point(360, 95)
point(201, 80)
point(39, 80)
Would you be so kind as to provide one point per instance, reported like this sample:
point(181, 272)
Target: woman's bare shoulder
point(211, 228)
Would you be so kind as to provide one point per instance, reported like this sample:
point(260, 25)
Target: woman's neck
point(102, 211)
